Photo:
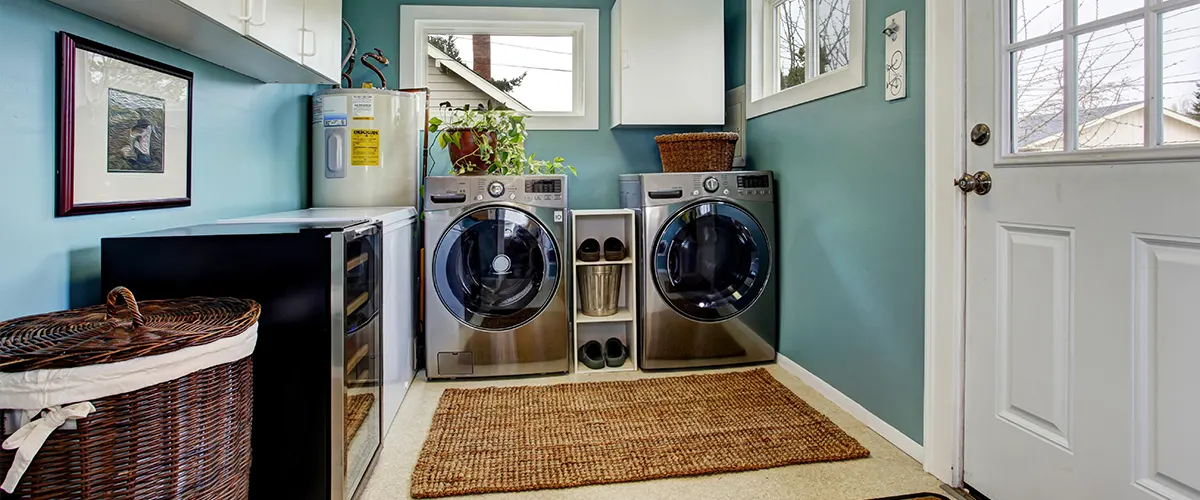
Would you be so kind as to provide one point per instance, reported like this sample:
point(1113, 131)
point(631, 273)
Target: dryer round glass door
point(496, 268)
point(711, 261)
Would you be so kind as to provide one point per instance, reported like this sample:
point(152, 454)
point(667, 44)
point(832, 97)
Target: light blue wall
point(850, 175)
point(250, 151)
point(599, 155)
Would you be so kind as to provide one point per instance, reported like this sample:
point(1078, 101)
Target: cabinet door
point(277, 24)
point(672, 62)
point(231, 13)
point(323, 37)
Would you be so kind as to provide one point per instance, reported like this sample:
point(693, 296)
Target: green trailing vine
point(503, 152)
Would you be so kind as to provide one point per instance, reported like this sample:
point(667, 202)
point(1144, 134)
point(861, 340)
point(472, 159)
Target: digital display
point(544, 186)
point(753, 181)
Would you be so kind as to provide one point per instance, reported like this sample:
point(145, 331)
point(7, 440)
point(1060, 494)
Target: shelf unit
point(601, 225)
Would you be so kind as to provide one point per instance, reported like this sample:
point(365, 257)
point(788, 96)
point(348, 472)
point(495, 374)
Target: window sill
point(843, 80)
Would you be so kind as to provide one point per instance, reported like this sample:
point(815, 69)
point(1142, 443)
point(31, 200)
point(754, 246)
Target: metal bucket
point(599, 289)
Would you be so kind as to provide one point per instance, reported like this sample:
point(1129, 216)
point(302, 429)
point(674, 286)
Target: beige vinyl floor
point(888, 471)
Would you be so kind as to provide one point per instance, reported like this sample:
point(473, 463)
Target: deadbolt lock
point(980, 183)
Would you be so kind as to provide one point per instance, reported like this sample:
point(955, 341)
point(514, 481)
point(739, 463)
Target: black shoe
point(589, 250)
point(615, 352)
point(591, 355)
point(614, 249)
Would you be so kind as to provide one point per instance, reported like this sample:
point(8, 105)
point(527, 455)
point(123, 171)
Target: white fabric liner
point(46, 392)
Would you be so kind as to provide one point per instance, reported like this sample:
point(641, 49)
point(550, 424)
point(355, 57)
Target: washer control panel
point(644, 190)
point(535, 190)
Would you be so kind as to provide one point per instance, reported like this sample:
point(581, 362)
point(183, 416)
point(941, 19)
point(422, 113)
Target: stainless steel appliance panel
point(705, 268)
point(496, 287)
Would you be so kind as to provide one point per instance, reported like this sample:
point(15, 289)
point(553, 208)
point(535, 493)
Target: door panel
point(323, 22)
point(711, 261)
point(1167, 445)
point(1083, 269)
point(1034, 330)
point(496, 268)
point(227, 12)
point(277, 24)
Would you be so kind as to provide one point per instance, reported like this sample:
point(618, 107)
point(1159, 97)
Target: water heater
point(367, 147)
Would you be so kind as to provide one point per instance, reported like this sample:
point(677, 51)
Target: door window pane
point(1034, 18)
point(527, 73)
point(1181, 76)
point(1111, 88)
point(1038, 98)
point(1091, 10)
point(790, 28)
point(833, 32)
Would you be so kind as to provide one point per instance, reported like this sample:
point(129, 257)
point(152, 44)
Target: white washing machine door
point(711, 261)
point(496, 268)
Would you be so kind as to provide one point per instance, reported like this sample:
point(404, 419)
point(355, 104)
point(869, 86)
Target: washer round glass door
point(496, 268)
point(711, 261)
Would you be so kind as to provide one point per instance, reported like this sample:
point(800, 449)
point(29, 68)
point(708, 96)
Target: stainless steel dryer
point(705, 267)
point(495, 287)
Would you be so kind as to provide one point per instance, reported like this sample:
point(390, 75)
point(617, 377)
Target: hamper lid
point(117, 332)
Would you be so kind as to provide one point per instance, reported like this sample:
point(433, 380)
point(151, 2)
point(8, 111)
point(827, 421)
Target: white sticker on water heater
point(362, 107)
point(334, 110)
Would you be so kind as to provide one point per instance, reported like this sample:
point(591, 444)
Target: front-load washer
point(705, 267)
point(496, 287)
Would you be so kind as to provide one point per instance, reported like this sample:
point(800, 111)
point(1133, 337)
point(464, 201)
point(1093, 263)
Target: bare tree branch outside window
point(832, 37)
point(1110, 75)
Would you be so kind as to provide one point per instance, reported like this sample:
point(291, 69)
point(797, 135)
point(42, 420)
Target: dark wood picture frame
point(65, 204)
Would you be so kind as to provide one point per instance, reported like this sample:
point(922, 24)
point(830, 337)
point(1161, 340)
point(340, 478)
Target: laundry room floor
point(887, 472)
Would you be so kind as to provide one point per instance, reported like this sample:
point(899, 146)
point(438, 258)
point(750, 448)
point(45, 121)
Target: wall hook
point(892, 30)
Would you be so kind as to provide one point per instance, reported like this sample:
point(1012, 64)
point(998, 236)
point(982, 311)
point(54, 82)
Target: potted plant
point(489, 140)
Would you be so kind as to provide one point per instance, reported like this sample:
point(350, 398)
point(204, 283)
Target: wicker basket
point(176, 427)
point(697, 152)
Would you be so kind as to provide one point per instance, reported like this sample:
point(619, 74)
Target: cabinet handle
point(304, 35)
point(262, 14)
point(246, 16)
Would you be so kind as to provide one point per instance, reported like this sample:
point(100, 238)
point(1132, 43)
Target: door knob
point(980, 183)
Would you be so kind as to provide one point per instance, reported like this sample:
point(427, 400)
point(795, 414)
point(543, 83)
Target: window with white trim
point(1090, 75)
point(540, 62)
point(802, 50)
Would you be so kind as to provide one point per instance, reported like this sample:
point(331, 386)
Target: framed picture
point(124, 130)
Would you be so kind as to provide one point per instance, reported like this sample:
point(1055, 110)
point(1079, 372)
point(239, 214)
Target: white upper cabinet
point(668, 62)
point(231, 13)
point(278, 24)
point(322, 39)
point(274, 41)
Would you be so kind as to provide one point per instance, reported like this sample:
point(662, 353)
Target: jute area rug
point(504, 439)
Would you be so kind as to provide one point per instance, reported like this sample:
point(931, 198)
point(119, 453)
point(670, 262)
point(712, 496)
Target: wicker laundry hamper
point(697, 151)
point(133, 401)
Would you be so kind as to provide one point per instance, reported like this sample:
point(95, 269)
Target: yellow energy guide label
point(364, 147)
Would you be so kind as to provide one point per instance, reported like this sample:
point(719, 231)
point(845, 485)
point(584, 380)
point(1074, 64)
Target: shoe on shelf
point(614, 249)
point(589, 250)
point(591, 355)
point(615, 352)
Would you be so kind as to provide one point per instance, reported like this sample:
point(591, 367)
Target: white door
point(231, 13)
point(278, 24)
point(322, 41)
point(1083, 261)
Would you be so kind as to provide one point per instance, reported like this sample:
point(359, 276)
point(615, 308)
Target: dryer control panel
point(534, 190)
point(668, 188)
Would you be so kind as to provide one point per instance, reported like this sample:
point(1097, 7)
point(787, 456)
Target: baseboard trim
point(905, 443)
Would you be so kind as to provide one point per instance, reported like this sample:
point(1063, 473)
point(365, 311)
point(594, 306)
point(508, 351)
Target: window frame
point(417, 22)
point(762, 60)
point(1152, 150)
